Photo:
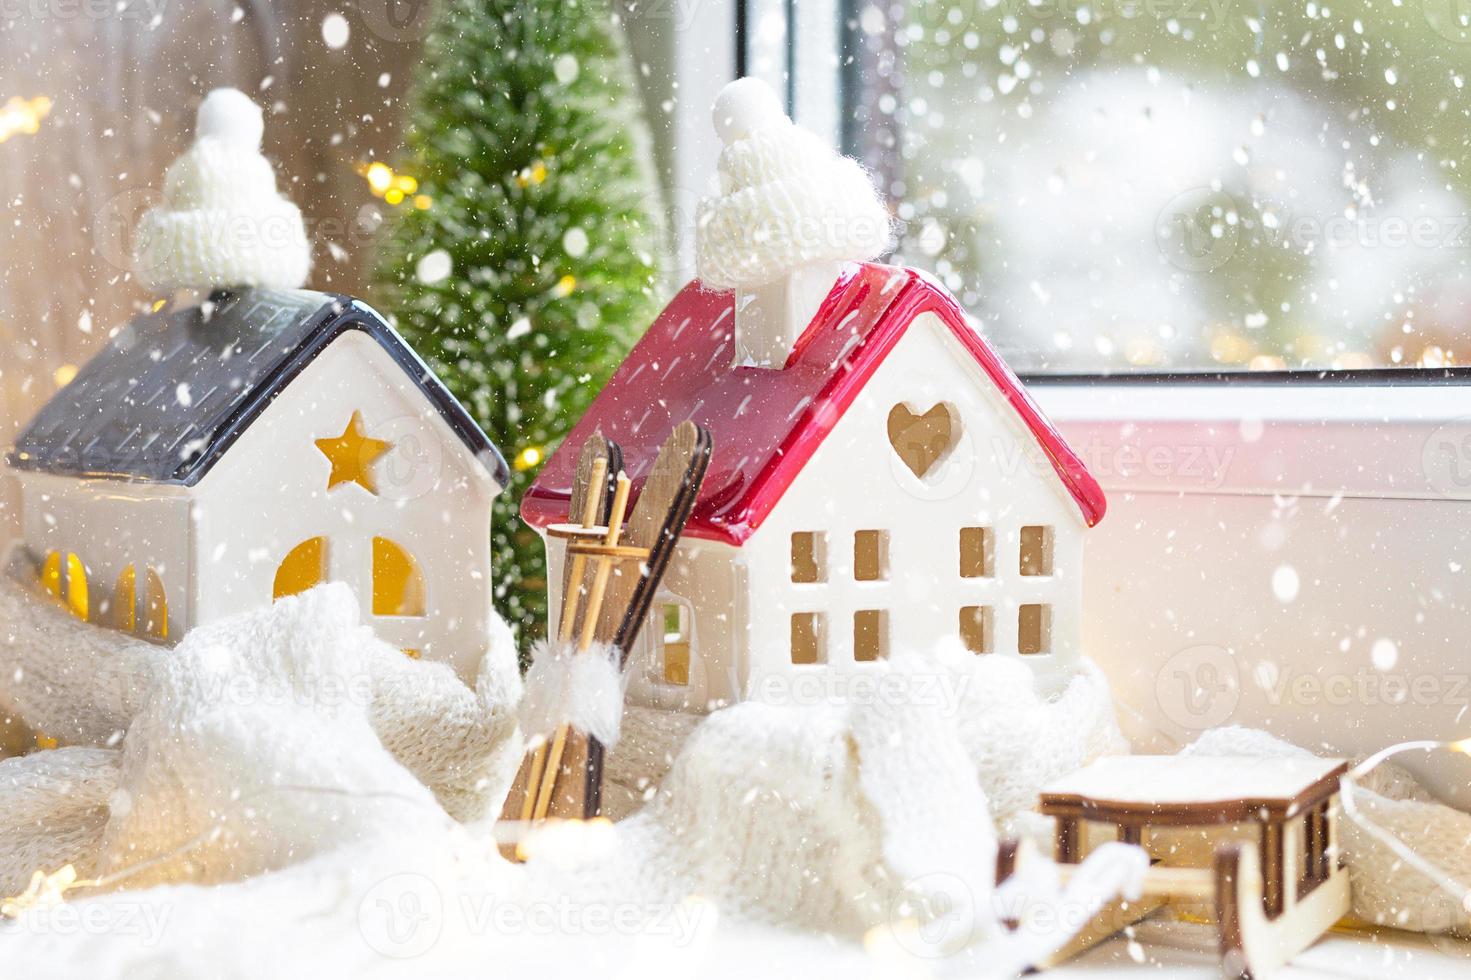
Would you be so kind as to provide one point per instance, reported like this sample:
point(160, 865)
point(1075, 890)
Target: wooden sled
point(612, 572)
point(1251, 844)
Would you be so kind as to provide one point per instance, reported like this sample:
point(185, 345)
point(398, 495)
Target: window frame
point(791, 46)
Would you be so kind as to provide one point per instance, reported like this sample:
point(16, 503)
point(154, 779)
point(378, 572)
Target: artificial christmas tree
point(530, 261)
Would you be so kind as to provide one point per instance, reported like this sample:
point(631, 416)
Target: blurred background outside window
point(1108, 185)
point(1167, 185)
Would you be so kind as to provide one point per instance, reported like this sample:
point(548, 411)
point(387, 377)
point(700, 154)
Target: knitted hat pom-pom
point(230, 116)
point(746, 106)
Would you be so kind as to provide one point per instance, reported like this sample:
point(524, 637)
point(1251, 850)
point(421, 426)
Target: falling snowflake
point(335, 31)
point(434, 267)
point(575, 243)
point(1285, 583)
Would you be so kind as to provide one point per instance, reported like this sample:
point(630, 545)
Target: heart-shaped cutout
point(922, 440)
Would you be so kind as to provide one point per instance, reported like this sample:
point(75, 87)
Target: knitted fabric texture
point(286, 755)
point(855, 815)
point(785, 198)
point(391, 739)
point(222, 222)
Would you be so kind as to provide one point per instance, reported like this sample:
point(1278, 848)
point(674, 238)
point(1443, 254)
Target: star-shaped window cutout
point(352, 455)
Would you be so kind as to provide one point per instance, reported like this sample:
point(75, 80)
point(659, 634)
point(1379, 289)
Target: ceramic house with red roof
point(880, 478)
point(890, 483)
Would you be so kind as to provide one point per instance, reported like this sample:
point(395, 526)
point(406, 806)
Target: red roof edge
point(894, 297)
point(1080, 484)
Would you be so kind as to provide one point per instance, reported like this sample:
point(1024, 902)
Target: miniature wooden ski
point(591, 498)
point(627, 563)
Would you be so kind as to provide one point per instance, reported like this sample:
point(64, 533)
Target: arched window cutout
point(303, 567)
point(125, 601)
point(76, 586)
point(674, 643)
point(51, 573)
point(157, 622)
point(398, 585)
point(66, 579)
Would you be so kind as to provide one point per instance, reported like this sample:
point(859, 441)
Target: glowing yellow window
point(303, 567)
point(66, 578)
point(125, 601)
point(76, 586)
point(51, 573)
point(398, 585)
point(156, 610)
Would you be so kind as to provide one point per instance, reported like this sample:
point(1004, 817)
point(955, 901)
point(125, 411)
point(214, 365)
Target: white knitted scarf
point(331, 791)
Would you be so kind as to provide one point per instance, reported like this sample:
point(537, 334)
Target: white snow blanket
point(283, 794)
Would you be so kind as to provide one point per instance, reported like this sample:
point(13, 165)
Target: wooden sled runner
point(1249, 843)
point(612, 571)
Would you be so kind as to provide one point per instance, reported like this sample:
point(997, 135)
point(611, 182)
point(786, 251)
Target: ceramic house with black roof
point(214, 457)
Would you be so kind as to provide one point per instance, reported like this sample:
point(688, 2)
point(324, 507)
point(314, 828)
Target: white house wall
point(111, 525)
point(995, 476)
point(270, 493)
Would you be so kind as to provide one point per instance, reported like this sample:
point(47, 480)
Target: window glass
point(1183, 185)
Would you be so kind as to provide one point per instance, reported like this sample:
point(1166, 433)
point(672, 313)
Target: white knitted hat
point(222, 223)
point(786, 198)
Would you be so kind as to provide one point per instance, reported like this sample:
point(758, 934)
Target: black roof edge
point(337, 316)
point(346, 313)
point(363, 317)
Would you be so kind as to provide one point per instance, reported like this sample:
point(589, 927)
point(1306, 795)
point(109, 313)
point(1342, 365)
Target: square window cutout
point(1034, 629)
point(976, 552)
point(870, 635)
point(809, 562)
point(1036, 550)
point(975, 628)
point(807, 640)
point(871, 556)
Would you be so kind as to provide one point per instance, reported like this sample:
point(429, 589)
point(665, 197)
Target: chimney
point(788, 213)
point(769, 319)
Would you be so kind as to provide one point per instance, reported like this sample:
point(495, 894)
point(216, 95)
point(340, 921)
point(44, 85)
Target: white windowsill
point(1370, 439)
